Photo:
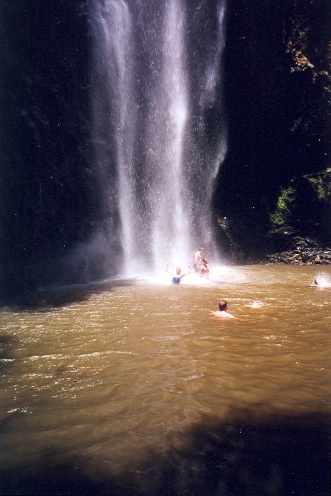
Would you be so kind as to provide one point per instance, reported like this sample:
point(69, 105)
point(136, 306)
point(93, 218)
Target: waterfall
point(158, 127)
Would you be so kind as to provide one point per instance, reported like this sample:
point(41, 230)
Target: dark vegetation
point(276, 177)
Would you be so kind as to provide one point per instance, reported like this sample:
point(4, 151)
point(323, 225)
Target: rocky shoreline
point(292, 249)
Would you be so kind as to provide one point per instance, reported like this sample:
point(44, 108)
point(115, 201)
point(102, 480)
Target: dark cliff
point(278, 97)
point(45, 197)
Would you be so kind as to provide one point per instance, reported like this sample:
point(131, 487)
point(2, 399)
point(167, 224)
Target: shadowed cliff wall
point(46, 201)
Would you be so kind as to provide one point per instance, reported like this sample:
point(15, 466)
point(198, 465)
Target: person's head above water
point(223, 310)
point(223, 305)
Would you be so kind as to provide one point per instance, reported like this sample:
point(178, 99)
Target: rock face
point(301, 251)
point(278, 97)
point(46, 204)
point(301, 257)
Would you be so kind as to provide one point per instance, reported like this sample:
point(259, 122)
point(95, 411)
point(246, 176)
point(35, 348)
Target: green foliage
point(283, 212)
point(321, 184)
point(305, 204)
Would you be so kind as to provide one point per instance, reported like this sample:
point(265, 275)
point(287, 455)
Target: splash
point(322, 280)
point(256, 304)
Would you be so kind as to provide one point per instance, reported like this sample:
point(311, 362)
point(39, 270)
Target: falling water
point(158, 125)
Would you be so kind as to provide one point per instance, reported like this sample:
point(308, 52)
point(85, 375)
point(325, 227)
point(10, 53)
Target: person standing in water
point(223, 310)
point(204, 269)
point(198, 259)
point(177, 277)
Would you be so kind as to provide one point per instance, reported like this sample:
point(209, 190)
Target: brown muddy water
point(131, 388)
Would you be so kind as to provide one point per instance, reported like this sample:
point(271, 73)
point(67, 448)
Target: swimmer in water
point(177, 277)
point(222, 312)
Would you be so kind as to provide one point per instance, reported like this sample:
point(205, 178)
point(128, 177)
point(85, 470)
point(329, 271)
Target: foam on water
point(322, 280)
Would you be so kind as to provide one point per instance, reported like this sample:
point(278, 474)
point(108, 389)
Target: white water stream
point(156, 97)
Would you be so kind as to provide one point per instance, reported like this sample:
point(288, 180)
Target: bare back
point(222, 314)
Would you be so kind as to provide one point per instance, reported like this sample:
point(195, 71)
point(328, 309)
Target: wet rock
point(295, 250)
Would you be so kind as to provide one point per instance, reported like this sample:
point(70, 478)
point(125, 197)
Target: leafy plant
point(283, 212)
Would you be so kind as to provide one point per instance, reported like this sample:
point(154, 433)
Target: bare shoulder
point(223, 315)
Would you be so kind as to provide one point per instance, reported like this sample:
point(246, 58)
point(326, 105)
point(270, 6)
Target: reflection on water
point(132, 388)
